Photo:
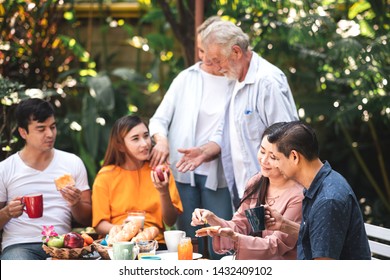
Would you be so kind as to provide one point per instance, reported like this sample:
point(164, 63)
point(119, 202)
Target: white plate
point(173, 256)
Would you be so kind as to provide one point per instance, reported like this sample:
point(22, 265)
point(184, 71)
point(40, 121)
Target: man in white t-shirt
point(33, 170)
point(261, 96)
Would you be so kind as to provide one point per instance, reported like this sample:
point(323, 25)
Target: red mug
point(33, 205)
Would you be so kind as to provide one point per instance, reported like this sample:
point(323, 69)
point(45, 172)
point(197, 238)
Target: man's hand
point(275, 221)
point(71, 194)
point(14, 208)
point(192, 158)
point(195, 156)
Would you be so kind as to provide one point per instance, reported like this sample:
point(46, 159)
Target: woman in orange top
point(126, 182)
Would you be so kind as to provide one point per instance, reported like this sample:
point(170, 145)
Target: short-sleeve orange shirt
point(117, 191)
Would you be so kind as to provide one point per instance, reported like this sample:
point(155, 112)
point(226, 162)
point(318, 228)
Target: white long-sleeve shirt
point(177, 118)
point(264, 99)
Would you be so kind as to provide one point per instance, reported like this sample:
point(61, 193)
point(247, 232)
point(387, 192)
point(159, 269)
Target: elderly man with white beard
point(261, 96)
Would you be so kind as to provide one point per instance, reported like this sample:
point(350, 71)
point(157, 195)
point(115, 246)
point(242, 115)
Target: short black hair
point(297, 136)
point(33, 109)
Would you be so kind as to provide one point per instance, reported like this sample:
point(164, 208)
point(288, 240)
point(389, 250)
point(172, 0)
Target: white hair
point(207, 23)
point(225, 34)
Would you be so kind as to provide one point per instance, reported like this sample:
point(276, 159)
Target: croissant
point(147, 234)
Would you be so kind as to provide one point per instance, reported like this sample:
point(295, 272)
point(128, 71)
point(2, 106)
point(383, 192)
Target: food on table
point(89, 230)
point(123, 232)
point(203, 231)
point(56, 241)
point(63, 181)
point(160, 169)
point(88, 240)
point(149, 233)
point(69, 240)
point(73, 240)
point(112, 234)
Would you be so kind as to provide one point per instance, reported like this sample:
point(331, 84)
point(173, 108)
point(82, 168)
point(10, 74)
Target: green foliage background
point(334, 52)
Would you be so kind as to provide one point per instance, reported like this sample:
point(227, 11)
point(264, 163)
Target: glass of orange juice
point(184, 249)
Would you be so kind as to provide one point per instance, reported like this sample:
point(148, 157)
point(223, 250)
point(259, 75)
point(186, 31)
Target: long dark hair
point(115, 153)
point(260, 188)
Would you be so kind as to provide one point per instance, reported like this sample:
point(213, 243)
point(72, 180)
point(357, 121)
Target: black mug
point(255, 217)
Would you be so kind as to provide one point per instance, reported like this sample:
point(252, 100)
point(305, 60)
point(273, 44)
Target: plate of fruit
point(71, 245)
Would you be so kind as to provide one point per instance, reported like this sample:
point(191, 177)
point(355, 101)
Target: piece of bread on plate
point(149, 233)
point(63, 181)
point(203, 231)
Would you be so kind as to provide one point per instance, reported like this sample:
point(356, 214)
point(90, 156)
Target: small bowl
point(146, 246)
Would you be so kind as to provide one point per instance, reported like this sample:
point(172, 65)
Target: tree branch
point(183, 29)
point(363, 165)
point(380, 157)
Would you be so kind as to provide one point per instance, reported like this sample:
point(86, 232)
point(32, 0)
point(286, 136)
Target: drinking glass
point(184, 249)
point(137, 216)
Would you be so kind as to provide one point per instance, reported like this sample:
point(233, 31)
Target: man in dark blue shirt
point(332, 223)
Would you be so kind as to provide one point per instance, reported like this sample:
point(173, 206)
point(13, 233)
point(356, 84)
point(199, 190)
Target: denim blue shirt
point(332, 223)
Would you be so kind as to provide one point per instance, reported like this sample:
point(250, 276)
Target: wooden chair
point(379, 240)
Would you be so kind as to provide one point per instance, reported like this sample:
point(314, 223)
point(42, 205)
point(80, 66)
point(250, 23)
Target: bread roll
point(112, 234)
point(131, 229)
point(123, 233)
point(149, 233)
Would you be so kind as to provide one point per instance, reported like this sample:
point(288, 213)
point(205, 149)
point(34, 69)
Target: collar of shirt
point(250, 77)
point(316, 185)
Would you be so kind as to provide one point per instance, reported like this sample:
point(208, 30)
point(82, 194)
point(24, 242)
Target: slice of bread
point(63, 181)
point(203, 231)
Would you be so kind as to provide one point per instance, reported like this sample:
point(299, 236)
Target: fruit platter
point(71, 245)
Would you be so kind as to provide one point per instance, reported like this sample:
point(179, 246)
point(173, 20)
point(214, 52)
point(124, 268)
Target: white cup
point(172, 239)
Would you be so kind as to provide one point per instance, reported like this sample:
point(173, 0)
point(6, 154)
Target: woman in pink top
point(268, 187)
